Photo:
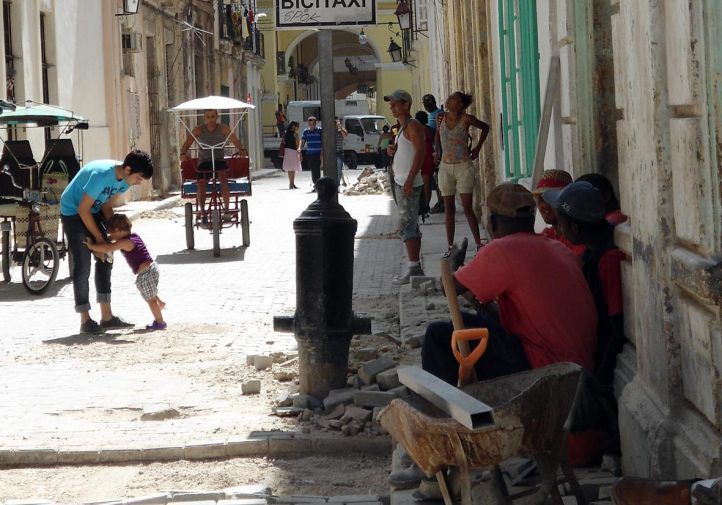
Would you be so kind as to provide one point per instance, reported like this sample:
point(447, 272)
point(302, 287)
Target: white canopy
point(213, 102)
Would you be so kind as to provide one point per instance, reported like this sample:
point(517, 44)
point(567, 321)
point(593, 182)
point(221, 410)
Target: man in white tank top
point(408, 157)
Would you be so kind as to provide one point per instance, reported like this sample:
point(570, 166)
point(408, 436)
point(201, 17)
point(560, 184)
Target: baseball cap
point(311, 118)
point(552, 179)
point(511, 200)
point(399, 95)
point(580, 200)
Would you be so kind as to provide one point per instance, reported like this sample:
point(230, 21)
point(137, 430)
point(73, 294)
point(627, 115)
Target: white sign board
point(320, 13)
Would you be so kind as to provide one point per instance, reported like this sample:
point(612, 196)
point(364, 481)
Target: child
point(139, 260)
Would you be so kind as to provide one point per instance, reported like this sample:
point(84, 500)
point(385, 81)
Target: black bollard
point(324, 322)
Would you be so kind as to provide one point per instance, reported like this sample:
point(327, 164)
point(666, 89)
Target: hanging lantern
point(403, 14)
point(395, 51)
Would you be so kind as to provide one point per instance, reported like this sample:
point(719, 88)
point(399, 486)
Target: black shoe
point(437, 209)
point(115, 323)
point(90, 327)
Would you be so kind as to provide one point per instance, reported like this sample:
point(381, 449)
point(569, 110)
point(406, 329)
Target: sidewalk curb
point(272, 444)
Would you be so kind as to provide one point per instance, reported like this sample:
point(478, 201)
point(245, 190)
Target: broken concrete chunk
point(371, 387)
point(354, 381)
point(388, 379)
point(338, 397)
point(159, 413)
point(355, 413)
point(283, 399)
point(352, 428)
point(290, 362)
point(373, 398)
point(262, 362)
point(250, 359)
point(287, 411)
point(370, 370)
point(251, 387)
point(284, 376)
point(336, 413)
point(366, 354)
point(303, 401)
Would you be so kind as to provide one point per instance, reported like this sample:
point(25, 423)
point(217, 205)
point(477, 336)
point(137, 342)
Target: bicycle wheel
point(245, 223)
point(40, 266)
point(6, 255)
point(190, 239)
point(216, 224)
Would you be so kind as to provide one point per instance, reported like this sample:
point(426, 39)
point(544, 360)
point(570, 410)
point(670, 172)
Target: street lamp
point(403, 13)
point(362, 38)
point(395, 51)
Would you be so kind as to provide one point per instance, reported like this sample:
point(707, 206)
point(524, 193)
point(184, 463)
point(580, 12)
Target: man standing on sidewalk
point(311, 139)
point(85, 207)
point(408, 154)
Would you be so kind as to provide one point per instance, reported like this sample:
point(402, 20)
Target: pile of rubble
point(351, 410)
point(370, 182)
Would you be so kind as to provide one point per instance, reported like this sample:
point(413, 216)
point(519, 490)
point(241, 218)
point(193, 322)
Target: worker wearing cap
point(554, 179)
point(546, 312)
point(408, 158)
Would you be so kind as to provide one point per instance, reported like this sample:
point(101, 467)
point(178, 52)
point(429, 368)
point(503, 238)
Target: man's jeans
point(504, 353)
point(76, 233)
point(314, 163)
point(339, 168)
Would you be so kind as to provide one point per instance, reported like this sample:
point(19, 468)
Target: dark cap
point(399, 95)
point(580, 200)
point(428, 98)
point(511, 200)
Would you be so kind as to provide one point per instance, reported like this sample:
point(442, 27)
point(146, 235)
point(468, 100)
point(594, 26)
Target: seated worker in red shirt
point(546, 311)
point(553, 179)
point(581, 210)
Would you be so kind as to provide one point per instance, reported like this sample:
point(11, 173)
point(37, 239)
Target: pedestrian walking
point(140, 262)
point(408, 154)
point(341, 134)
point(280, 120)
point(85, 207)
point(456, 173)
point(312, 141)
point(292, 153)
point(384, 141)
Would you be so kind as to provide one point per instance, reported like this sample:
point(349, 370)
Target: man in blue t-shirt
point(85, 205)
point(311, 139)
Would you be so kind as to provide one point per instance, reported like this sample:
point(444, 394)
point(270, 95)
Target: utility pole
point(328, 102)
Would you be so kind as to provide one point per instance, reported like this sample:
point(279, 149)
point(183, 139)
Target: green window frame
point(520, 94)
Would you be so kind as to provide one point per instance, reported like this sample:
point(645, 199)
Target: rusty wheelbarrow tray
point(530, 413)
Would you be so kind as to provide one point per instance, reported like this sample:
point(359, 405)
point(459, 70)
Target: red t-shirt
point(543, 297)
point(576, 249)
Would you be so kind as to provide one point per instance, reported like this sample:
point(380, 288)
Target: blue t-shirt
point(98, 180)
point(313, 141)
point(432, 118)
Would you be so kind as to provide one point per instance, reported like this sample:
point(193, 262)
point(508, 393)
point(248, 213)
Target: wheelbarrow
point(530, 413)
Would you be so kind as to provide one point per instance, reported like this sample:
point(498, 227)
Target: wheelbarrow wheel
point(216, 225)
point(40, 266)
point(190, 239)
point(245, 224)
point(6, 255)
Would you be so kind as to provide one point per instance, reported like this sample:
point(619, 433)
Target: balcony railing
point(231, 27)
point(255, 44)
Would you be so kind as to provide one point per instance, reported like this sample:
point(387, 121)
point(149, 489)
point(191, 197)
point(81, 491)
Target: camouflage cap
point(511, 200)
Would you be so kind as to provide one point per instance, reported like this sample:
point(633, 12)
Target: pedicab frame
point(239, 173)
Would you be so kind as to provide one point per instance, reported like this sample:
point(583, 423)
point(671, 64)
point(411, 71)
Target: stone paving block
point(205, 451)
point(356, 498)
point(332, 445)
point(79, 457)
point(337, 397)
point(370, 370)
point(236, 448)
point(262, 362)
point(303, 401)
point(120, 455)
point(371, 387)
point(196, 496)
point(29, 457)
point(195, 502)
point(373, 398)
point(366, 354)
point(247, 491)
point(162, 454)
point(300, 499)
point(356, 413)
point(298, 444)
point(243, 501)
point(250, 358)
point(7, 457)
point(251, 387)
point(388, 379)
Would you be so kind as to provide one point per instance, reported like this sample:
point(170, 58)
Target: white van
point(301, 110)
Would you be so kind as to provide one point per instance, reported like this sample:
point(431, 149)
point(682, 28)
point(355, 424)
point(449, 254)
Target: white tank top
point(403, 159)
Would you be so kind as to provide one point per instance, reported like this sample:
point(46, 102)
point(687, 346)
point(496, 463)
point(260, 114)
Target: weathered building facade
point(639, 98)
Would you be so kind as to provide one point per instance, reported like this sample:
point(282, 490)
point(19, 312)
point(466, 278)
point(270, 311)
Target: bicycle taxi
point(239, 176)
point(30, 192)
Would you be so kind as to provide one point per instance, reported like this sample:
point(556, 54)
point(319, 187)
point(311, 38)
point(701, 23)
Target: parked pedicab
point(30, 192)
point(239, 175)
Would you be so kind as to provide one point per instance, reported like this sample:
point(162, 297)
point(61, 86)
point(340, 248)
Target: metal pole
point(328, 102)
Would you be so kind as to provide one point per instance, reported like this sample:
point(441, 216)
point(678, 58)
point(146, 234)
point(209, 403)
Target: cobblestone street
point(63, 392)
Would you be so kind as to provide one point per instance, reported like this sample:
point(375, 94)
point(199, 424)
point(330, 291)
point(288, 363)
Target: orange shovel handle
point(466, 363)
